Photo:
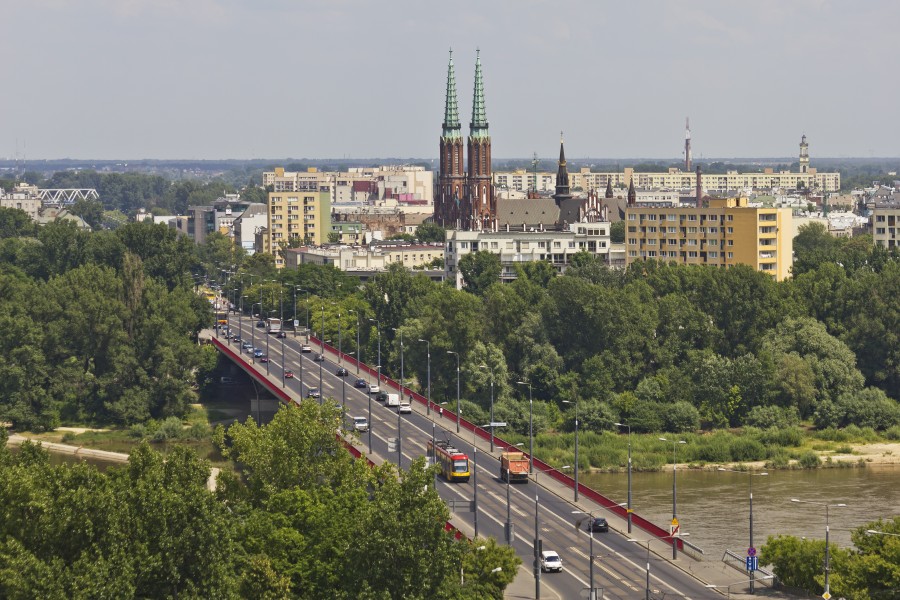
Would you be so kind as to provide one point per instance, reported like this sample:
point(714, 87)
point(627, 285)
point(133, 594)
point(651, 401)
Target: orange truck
point(513, 467)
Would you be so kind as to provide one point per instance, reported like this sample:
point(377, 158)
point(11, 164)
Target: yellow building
point(727, 232)
point(298, 213)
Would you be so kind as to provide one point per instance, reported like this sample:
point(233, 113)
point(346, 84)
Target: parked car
point(550, 561)
point(319, 358)
point(313, 393)
point(374, 389)
point(305, 348)
point(288, 374)
point(404, 407)
point(360, 383)
point(598, 524)
point(360, 423)
point(341, 372)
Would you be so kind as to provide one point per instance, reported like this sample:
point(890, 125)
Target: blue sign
point(752, 563)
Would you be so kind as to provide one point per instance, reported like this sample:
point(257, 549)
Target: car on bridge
point(341, 372)
point(374, 388)
point(238, 339)
point(264, 358)
point(598, 524)
point(381, 396)
point(313, 393)
point(305, 348)
point(246, 345)
point(260, 324)
point(282, 334)
point(550, 561)
point(288, 374)
point(319, 358)
point(360, 424)
point(360, 383)
point(257, 352)
point(404, 407)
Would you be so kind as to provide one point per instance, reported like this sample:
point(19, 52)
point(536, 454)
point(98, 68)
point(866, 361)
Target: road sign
point(296, 323)
point(674, 522)
point(752, 563)
point(497, 424)
point(751, 551)
point(826, 596)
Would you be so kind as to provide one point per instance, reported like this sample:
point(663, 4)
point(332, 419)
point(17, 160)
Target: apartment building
point(727, 232)
point(884, 222)
point(298, 210)
point(392, 184)
point(516, 247)
point(376, 257)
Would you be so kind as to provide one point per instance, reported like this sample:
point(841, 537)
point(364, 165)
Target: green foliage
point(809, 460)
point(765, 417)
point(480, 270)
point(797, 563)
point(431, 232)
point(617, 232)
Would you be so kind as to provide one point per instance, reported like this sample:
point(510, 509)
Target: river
point(713, 506)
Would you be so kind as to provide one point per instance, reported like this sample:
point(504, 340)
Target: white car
point(550, 561)
point(404, 408)
point(360, 423)
point(373, 388)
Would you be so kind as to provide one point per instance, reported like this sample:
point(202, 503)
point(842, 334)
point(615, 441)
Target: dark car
point(282, 334)
point(288, 374)
point(361, 383)
point(598, 524)
point(319, 358)
point(381, 396)
point(237, 339)
point(341, 372)
point(264, 358)
point(260, 323)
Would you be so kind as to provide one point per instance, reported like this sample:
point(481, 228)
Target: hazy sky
point(359, 78)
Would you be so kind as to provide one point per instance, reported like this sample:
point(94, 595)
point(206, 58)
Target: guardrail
point(562, 478)
point(739, 563)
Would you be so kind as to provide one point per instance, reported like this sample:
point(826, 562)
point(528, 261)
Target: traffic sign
point(752, 563)
point(826, 596)
point(751, 551)
point(674, 522)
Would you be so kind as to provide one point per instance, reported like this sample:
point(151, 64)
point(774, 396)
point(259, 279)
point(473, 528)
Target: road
point(620, 567)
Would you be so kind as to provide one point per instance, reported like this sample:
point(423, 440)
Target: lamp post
point(307, 314)
point(575, 402)
point(321, 362)
point(378, 329)
point(241, 316)
point(827, 550)
point(508, 530)
point(537, 549)
point(647, 587)
point(674, 496)
point(530, 428)
point(629, 511)
point(322, 340)
point(750, 477)
point(592, 594)
point(344, 394)
point(876, 532)
point(358, 355)
point(457, 388)
point(378, 368)
point(428, 354)
point(491, 371)
point(399, 454)
point(268, 335)
point(253, 330)
point(296, 287)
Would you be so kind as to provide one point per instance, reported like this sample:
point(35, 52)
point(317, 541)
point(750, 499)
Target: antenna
point(687, 144)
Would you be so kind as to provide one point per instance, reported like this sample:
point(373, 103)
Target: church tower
point(562, 176)
point(804, 155)
point(452, 178)
point(481, 208)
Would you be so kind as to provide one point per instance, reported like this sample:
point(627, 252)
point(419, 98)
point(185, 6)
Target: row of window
point(683, 254)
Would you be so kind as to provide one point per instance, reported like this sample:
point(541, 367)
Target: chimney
point(699, 189)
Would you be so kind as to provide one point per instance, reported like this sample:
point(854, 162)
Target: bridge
point(624, 566)
point(66, 196)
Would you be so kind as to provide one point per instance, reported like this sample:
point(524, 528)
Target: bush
point(647, 417)
point(778, 458)
point(870, 408)
point(829, 415)
point(766, 417)
point(681, 417)
point(788, 437)
point(198, 431)
point(714, 448)
point(138, 431)
point(893, 433)
point(809, 460)
point(170, 429)
point(745, 449)
point(68, 437)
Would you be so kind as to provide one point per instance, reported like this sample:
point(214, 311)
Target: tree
point(89, 210)
point(15, 223)
point(480, 270)
point(617, 232)
point(431, 232)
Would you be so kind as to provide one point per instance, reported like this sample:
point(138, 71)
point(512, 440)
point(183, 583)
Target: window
point(731, 255)
point(731, 230)
point(731, 242)
point(692, 217)
point(692, 254)
point(672, 217)
point(632, 241)
point(632, 217)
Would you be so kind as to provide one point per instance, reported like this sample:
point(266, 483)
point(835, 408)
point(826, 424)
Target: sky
point(217, 79)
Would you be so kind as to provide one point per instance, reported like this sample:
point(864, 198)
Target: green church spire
point(451, 112)
point(479, 125)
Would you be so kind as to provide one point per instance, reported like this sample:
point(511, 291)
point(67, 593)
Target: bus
point(221, 318)
point(273, 325)
point(454, 464)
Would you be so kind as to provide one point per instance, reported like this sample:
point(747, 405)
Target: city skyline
point(222, 79)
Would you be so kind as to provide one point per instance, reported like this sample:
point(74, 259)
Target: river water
point(713, 506)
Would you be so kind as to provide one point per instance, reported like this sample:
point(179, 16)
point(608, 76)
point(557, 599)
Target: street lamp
point(750, 477)
point(253, 329)
point(457, 388)
point(575, 402)
point(378, 369)
point(674, 496)
point(378, 329)
point(307, 314)
point(537, 536)
point(399, 455)
point(876, 532)
point(629, 511)
point(827, 550)
point(358, 355)
point(322, 362)
point(510, 534)
point(647, 587)
point(530, 428)
point(491, 370)
point(428, 354)
point(593, 594)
